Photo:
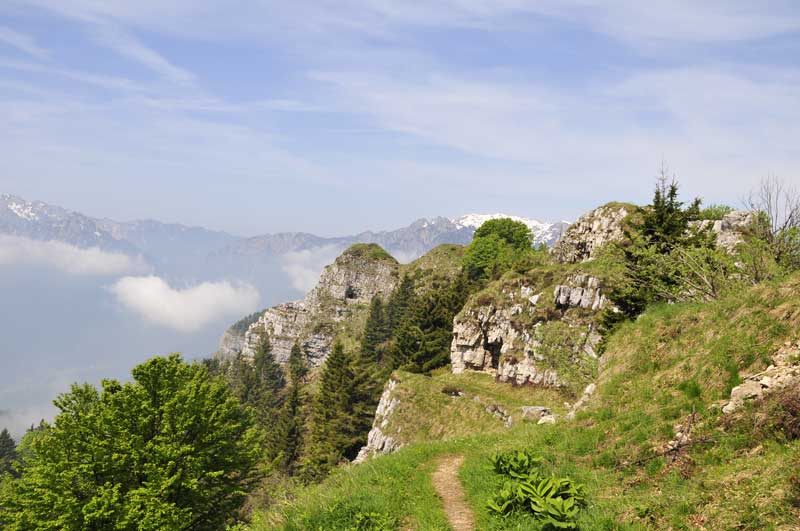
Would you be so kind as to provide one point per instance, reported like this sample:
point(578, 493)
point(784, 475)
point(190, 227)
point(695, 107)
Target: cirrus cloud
point(18, 250)
point(187, 309)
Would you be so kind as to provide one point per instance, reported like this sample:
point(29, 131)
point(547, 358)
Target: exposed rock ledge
point(487, 338)
point(584, 238)
point(352, 280)
point(785, 372)
point(379, 442)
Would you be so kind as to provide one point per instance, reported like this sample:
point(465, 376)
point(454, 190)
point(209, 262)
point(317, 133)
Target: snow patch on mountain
point(23, 210)
point(542, 231)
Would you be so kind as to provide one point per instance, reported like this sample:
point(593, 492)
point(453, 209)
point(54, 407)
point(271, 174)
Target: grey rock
point(584, 238)
point(349, 282)
point(378, 442)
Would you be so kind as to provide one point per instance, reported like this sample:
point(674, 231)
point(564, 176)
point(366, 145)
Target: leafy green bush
point(715, 212)
point(500, 245)
point(554, 501)
point(517, 464)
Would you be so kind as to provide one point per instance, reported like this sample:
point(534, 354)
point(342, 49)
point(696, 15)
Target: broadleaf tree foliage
point(171, 450)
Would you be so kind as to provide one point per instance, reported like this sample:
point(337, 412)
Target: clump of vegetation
point(8, 452)
point(555, 502)
point(715, 212)
point(241, 326)
point(169, 450)
point(368, 251)
point(500, 245)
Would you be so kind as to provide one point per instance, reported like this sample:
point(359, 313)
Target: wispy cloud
point(22, 42)
point(304, 267)
point(16, 250)
point(124, 43)
point(184, 309)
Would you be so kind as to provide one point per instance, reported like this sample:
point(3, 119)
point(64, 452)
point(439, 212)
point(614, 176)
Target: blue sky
point(334, 117)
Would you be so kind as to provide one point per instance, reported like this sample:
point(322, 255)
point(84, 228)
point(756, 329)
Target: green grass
point(369, 251)
point(673, 360)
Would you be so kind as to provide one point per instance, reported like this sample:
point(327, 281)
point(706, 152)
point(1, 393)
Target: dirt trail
point(448, 486)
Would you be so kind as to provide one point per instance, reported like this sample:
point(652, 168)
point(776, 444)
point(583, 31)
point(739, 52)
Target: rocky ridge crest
point(356, 276)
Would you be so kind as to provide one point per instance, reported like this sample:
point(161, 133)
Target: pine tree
point(333, 435)
point(290, 430)
point(270, 379)
point(400, 303)
point(297, 364)
point(376, 332)
point(8, 451)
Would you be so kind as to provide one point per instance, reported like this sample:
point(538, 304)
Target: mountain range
point(195, 252)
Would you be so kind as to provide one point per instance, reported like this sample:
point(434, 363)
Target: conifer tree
point(376, 332)
point(290, 430)
point(297, 364)
point(333, 434)
point(400, 303)
point(8, 451)
point(270, 379)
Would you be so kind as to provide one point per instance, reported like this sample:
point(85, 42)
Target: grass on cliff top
point(368, 251)
point(675, 359)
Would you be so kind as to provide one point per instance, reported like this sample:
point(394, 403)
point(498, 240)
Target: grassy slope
point(673, 360)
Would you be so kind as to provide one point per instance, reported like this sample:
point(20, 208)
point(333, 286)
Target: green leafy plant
point(554, 501)
point(370, 521)
point(519, 464)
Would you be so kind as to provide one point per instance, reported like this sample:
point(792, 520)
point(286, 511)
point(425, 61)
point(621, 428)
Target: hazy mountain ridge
point(174, 245)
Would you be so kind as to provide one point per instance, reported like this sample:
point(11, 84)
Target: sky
point(335, 117)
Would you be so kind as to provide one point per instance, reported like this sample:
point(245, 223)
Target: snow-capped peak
point(23, 210)
point(476, 220)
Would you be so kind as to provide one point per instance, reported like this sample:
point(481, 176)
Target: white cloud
point(18, 420)
point(129, 46)
point(188, 309)
point(304, 267)
point(22, 42)
point(17, 250)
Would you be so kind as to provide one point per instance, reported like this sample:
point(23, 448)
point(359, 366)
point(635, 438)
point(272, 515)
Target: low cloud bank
point(17, 421)
point(304, 267)
point(188, 309)
point(18, 250)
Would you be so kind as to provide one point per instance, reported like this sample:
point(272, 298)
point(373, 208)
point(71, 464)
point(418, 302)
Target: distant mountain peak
point(476, 220)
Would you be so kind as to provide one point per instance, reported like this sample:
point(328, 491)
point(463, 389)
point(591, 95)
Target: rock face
point(378, 442)
point(584, 238)
point(730, 230)
point(580, 291)
point(508, 340)
point(230, 344)
point(783, 373)
point(356, 276)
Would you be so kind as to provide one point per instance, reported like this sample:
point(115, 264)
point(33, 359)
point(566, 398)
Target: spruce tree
point(400, 303)
point(270, 379)
point(8, 451)
point(297, 364)
point(290, 430)
point(376, 331)
point(333, 435)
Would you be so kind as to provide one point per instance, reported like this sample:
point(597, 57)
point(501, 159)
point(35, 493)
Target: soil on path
point(448, 487)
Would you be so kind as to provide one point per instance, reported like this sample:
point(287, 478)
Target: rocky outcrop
point(504, 338)
point(580, 291)
point(378, 442)
point(731, 229)
point(483, 334)
point(584, 238)
point(360, 273)
point(783, 373)
point(230, 344)
point(581, 403)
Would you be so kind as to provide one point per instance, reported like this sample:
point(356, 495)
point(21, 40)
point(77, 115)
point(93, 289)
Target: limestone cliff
point(531, 330)
point(584, 238)
point(344, 288)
